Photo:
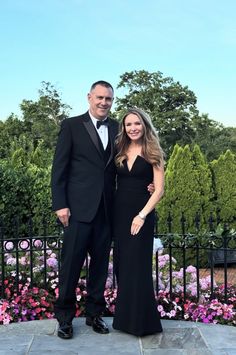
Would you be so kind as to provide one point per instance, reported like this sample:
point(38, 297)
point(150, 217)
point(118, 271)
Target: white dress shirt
point(102, 131)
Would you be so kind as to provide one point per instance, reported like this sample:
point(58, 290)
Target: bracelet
point(142, 216)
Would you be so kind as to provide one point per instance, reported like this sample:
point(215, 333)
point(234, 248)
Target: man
point(83, 183)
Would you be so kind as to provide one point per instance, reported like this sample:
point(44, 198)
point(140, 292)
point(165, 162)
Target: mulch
point(219, 274)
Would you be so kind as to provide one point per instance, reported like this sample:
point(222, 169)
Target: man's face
point(100, 101)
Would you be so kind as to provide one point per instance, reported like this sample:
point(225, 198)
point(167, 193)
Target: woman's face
point(133, 127)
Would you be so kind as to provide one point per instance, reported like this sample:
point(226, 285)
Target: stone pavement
point(178, 337)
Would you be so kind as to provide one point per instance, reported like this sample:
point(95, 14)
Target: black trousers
point(79, 239)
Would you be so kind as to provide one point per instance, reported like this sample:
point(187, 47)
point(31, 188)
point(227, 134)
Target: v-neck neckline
point(130, 169)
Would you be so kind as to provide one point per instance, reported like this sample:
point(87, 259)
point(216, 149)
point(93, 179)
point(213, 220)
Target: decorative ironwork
point(30, 255)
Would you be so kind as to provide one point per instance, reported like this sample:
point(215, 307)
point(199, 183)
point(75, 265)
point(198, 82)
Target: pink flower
point(38, 310)
point(52, 262)
point(191, 269)
point(23, 260)
point(8, 246)
point(35, 290)
point(11, 261)
point(24, 244)
point(178, 274)
point(36, 303)
point(206, 320)
point(38, 243)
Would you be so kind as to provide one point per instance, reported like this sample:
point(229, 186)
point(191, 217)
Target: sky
point(73, 43)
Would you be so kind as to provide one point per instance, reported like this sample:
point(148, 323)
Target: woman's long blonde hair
point(151, 149)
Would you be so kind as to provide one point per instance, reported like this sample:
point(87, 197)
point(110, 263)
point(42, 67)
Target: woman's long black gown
point(136, 309)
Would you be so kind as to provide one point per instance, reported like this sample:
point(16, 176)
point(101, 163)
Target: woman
point(139, 161)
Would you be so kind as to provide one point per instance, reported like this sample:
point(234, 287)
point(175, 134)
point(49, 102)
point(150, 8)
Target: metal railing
point(36, 259)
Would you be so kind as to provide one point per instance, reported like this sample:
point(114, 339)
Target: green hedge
point(25, 193)
point(191, 186)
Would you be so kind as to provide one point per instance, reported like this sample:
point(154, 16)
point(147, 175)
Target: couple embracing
point(100, 191)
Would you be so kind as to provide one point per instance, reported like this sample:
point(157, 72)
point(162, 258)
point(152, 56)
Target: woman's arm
point(158, 180)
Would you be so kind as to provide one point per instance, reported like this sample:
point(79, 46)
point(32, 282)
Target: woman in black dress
point(139, 161)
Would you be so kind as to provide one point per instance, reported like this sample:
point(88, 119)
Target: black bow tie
point(100, 123)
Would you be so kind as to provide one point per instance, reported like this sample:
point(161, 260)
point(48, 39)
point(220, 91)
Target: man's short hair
point(102, 83)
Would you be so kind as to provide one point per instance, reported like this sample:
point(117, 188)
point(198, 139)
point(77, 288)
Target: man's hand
point(63, 216)
point(151, 188)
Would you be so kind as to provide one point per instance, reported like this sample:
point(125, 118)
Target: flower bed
point(34, 303)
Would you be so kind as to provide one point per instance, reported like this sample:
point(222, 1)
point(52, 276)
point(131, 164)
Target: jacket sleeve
point(60, 167)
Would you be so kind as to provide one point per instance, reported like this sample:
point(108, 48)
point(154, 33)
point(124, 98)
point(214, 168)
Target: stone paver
point(178, 338)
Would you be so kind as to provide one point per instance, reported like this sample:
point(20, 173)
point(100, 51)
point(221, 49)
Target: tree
point(42, 118)
point(10, 130)
point(173, 109)
point(171, 106)
point(204, 179)
point(22, 152)
point(213, 138)
point(39, 124)
point(188, 189)
point(224, 173)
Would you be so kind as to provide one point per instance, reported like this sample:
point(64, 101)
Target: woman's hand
point(136, 225)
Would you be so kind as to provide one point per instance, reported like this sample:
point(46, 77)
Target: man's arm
point(60, 167)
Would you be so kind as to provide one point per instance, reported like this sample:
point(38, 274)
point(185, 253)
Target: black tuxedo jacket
point(80, 176)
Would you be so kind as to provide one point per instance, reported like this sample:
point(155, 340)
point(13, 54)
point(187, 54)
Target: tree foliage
point(42, 118)
point(224, 173)
point(25, 196)
point(27, 145)
point(173, 109)
point(212, 138)
point(188, 190)
point(10, 130)
point(170, 104)
point(39, 124)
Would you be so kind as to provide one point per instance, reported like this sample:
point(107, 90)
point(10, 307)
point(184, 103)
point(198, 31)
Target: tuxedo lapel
point(112, 130)
point(92, 132)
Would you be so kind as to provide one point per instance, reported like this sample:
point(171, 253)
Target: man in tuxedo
point(83, 184)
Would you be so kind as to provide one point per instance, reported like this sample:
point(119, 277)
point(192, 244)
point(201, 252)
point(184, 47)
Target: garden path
point(178, 338)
